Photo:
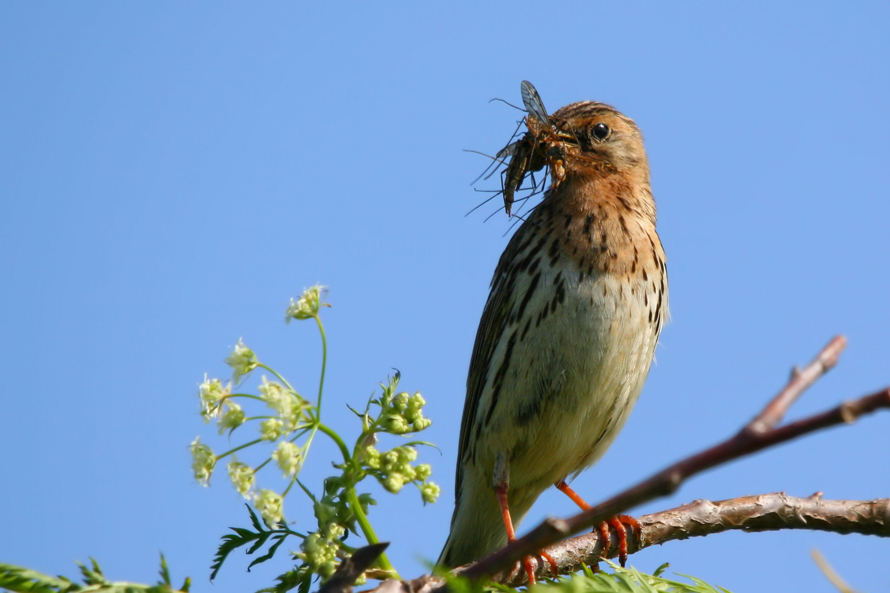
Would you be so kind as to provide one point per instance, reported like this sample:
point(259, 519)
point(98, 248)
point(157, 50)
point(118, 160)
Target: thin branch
point(830, 573)
point(800, 380)
point(757, 435)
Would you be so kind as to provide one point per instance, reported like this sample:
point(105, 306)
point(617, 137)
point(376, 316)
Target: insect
point(543, 145)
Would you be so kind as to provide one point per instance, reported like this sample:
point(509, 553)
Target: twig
point(830, 573)
point(757, 435)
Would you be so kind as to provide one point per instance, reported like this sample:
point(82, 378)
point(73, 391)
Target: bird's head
point(595, 139)
point(586, 141)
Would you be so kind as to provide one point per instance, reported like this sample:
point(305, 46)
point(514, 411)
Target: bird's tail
point(477, 527)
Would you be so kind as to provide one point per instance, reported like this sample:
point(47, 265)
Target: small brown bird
point(569, 330)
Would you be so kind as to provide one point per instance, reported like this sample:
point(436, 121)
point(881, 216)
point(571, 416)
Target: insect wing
point(533, 103)
point(509, 150)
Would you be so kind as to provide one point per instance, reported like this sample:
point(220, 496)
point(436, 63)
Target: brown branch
point(757, 435)
point(766, 512)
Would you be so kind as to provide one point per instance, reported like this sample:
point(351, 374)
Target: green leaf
point(243, 537)
point(272, 549)
point(17, 578)
point(164, 572)
point(254, 520)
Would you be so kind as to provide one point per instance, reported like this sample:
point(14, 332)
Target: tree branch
point(766, 512)
point(757, 435)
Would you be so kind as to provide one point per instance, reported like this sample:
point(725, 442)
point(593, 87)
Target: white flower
point(242, 477)
point(273, 394)
point(270, 505)
point(288, 458)
point(211, 392)
point(271, 429)
point(242, 360)
point(307, 305)
point(285, 402)
point(203, 461)
point(232, 418)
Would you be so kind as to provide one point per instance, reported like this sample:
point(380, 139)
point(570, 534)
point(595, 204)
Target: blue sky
point(171, 174)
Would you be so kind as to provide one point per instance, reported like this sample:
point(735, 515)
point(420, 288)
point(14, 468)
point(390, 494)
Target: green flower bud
point(394, 482)
point(416, 401)
point(327, 569)
point(372, 457)
point(421, 423)
point(325, 513)
point(396, 425)
point(400, 401)
point(430, 492)
point(423, 471)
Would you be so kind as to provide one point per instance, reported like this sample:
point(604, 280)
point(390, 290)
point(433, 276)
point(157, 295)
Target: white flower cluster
point(292, 413)
point(288, 457)
point(270, 505)
point(203, 461)
point(242, 360)
point(308, 305)
point(216, 403)
point(243, 477)
point(287, 404)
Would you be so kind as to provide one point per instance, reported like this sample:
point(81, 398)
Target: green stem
point(289, 486)
point(336, 438)
point(277, 376)
point(245, 395)
point(324, 362)
point(367, 530)
point(354, 504)
point(238, 448)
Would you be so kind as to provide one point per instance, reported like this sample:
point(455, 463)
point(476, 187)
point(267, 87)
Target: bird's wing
point(495, 320)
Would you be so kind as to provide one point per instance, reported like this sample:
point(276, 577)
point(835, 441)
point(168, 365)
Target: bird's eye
point(601, 131)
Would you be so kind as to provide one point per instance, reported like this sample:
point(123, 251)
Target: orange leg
point(500, 491)
point(576, 498)
point(617, 523)
point(501, 483)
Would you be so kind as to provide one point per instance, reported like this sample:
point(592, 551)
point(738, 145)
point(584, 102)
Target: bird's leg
point(616, 523)
point(576, 498)
point(501, 484)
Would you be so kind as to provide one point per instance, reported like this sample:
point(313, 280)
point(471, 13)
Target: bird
point(569, 330)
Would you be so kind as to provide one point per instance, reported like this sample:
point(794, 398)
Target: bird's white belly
point(587, 362)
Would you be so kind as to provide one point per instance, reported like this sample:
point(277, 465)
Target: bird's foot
point(529, 566)
point(620, 525)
